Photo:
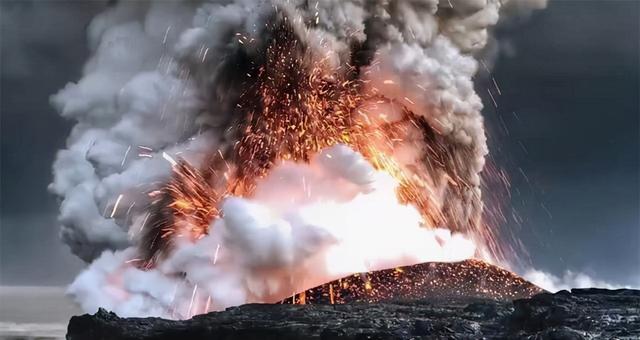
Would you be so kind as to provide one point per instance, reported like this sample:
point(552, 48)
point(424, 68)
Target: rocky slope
point(579, 314)
point(469, 278)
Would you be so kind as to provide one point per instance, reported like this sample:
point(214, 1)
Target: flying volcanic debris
point(241, 151)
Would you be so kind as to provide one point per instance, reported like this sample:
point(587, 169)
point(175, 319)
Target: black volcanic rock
point(579, 314)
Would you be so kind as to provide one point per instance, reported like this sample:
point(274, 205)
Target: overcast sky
point(570, 103)
point(566, 128)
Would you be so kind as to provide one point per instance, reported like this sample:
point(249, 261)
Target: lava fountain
point(281, 145)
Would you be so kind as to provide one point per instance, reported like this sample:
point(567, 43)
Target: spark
point(193, 297)
point(144, 222)
point(169, 159)
point(115, 206)
point(166, 34)
point(215, 256)
point(124, 159)
point(495, 104)
point(208, 304)
point(130, 208)
point(204, 55)
point(496, 85)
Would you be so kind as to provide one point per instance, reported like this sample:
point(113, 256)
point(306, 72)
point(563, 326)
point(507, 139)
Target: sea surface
point(35, 312)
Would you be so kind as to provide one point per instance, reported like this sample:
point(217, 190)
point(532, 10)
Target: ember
point(470, 278)
point(294, 106)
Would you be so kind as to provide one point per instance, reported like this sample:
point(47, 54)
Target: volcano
point(277, 146)
point(470, 278)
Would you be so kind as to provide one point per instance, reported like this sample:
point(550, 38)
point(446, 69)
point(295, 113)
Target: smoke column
point(173, 83)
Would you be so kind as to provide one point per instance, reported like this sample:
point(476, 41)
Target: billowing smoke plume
point(284, 240)
point(190, 81)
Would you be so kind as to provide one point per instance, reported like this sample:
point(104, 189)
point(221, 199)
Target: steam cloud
point(568, 280)
point(164, 81)
point(284, 240)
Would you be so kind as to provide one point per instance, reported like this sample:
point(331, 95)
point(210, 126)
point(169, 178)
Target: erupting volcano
point(281, 145)
point(296, 107)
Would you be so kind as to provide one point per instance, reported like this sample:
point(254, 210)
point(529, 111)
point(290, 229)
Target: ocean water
point(35, 312)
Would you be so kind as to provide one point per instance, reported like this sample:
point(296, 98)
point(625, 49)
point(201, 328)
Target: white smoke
point(162, 80)
point(568, 280)
point(131, 102)
point(307, 224)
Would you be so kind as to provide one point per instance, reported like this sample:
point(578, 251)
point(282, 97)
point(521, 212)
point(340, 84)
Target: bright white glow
point(307, 224)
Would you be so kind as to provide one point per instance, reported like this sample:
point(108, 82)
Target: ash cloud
point(164, 79)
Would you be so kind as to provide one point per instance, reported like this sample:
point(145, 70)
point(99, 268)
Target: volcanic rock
point(453, 301)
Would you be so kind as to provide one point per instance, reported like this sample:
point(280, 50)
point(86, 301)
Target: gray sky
point(571, 75)
point(573, 84)
point(43, 47)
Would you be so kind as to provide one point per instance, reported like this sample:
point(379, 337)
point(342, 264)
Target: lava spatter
point(470, 278)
